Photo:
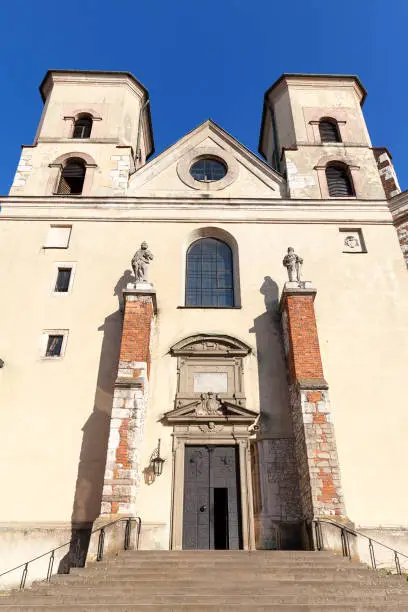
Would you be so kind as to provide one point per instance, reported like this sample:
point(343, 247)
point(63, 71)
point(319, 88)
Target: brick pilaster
point(122, 472)
point(316, 452)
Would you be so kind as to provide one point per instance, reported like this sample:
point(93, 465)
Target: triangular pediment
point(210, 345)
point(197, 411)
point(169, 175)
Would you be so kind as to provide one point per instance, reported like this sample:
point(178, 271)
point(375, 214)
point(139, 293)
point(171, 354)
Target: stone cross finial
point(293, 264)
point(140, 261)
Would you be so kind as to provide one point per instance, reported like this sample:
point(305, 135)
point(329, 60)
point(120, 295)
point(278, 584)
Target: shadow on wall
point(273, 389)
point(92, 460)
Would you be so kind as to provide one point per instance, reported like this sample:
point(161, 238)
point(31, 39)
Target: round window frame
point(218, 161)
point(224, 157)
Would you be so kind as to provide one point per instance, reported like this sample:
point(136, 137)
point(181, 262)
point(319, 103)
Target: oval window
point(207, 170)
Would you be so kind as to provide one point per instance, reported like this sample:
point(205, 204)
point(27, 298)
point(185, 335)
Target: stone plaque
point(210, 381)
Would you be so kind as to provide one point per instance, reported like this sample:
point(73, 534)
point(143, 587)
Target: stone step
point(361, 576)
point(240, 556)
point(221, 601)
point(228, 562)
point(308, 590)
point(113, 607)
point(194, 570)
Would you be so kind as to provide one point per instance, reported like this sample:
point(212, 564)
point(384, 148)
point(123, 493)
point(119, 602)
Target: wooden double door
point(211, 504)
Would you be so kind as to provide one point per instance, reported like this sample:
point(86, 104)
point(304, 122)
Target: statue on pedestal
point(293, 263)
point(140, 261)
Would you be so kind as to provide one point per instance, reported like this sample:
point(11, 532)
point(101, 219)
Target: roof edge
point(295, 75)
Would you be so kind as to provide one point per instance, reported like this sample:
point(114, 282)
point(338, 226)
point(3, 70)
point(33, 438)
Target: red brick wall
point(304, 355)
point(136, 331)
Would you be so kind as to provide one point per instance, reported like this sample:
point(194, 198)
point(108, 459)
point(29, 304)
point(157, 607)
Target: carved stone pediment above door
point(211, 408)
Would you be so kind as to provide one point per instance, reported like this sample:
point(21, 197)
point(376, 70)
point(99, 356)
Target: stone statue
point(293, 263)
point(140, 261)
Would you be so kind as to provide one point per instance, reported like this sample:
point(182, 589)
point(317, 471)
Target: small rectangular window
point(63, 280)
point(58, 237)
point(54, 345)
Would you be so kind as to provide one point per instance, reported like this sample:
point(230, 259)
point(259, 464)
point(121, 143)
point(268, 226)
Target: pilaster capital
point(140, 292)
point(296, 288)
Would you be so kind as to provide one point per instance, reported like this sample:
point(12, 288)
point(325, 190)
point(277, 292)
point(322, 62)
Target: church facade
point(206, 339)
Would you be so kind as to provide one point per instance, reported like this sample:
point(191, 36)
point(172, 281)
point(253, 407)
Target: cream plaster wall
point(298, 103)
point(46, 405)
point(115, 102)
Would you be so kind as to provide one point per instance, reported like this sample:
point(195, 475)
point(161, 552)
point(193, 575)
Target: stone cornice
point(183, 209)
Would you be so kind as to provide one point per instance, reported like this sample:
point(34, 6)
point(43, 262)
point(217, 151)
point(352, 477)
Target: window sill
point(210, 307)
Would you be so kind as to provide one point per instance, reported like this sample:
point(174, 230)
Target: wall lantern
point(157, 461)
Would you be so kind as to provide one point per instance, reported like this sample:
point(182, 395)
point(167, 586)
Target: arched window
point(82, 127)
point(209, 274)
point(329, 130)
point(339, 182)
point(72, 177)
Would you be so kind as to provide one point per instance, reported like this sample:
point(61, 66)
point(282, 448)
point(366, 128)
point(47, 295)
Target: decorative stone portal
point(211, 419)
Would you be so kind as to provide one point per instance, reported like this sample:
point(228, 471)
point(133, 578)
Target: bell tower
point(313, 131)
point(95, 130)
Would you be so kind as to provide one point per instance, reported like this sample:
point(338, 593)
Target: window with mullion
point(209, 271)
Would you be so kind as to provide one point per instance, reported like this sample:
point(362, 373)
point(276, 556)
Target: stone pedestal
point(123, 470)
point(315, 446)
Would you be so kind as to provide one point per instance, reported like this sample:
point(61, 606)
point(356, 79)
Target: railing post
point(50, 566)
point(24, 577)
point(128, 528)
point(372, 555)
point(348, 545)
point(397, 562)
point(101, 541)
point(139, 529)
point(319, 535)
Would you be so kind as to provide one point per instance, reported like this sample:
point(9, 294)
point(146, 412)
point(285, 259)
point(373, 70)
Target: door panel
point(211, 505)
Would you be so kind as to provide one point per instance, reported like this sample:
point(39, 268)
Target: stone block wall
point(387, 173)
point(402, 231)
point(319, 472)
point(278, 495)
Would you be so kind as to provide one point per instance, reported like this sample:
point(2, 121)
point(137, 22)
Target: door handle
point(203, 508)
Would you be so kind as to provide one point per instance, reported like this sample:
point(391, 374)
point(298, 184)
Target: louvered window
point(329, 131)
point(72, 178)
point(209, 279)
point(82, 127)
point(339, 182)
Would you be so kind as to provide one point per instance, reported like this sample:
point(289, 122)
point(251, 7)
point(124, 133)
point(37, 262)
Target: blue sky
point(205, 59)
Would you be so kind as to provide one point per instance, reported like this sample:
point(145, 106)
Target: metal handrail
point(100, 550)
point(345, 531)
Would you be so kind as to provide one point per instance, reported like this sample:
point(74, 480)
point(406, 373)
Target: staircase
point(164, 581)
